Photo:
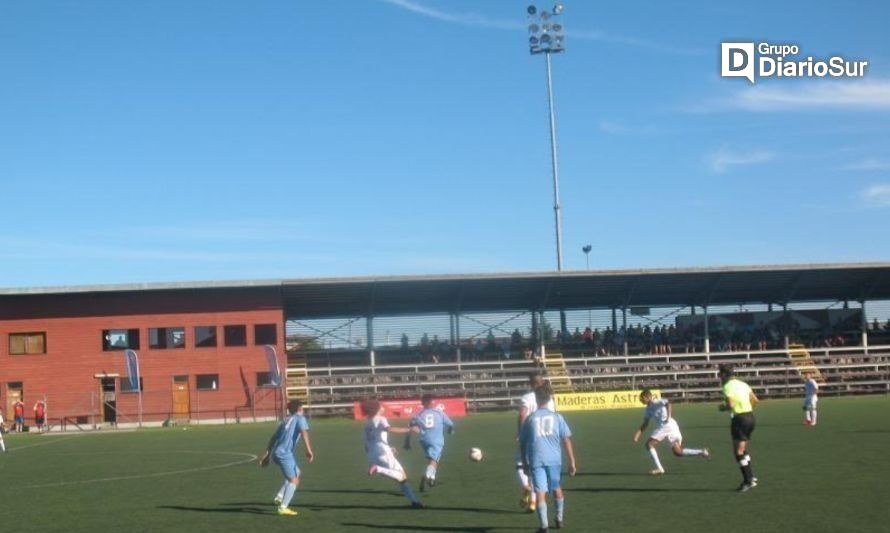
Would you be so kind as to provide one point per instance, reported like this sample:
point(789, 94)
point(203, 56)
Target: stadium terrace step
point(800, 357)
point(297, 378)
point(557, 374)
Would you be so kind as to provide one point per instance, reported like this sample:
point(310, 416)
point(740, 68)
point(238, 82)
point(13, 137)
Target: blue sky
point(219, 139)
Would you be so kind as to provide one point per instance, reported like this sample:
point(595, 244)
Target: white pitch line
point(249, 457)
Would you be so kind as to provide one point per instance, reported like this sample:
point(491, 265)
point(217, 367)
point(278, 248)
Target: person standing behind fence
point(40, 416)
point(19, 416)
point(740, 400)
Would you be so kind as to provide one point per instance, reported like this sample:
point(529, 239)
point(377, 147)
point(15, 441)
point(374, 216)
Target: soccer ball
point(475, 454)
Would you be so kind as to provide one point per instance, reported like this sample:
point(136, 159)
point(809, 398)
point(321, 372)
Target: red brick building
point(200, 349)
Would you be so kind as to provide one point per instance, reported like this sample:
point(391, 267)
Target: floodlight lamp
point(545, 39)
point(557, 9)
point(556, 27)
point(533, 41)
point(545, 15)
point(532, 10)
point(545, 27)
point(533, 28)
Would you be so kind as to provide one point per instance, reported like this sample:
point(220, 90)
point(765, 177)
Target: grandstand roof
point(585, 289)
point(401, 295)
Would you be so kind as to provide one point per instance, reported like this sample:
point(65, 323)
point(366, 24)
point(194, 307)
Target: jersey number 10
point(544, 426)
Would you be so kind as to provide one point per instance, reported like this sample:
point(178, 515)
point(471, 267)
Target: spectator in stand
point(516, 339)
point(18, 415)
point(40, 416)
point(588, 336)
point(577, 337)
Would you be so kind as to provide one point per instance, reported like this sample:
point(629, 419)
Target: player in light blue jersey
point(281, 450)
point(541, 439)
point(432, 424)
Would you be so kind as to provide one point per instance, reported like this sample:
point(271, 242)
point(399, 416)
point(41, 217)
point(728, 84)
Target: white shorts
point(810, 403)
point(670, 431)
point(382, 456)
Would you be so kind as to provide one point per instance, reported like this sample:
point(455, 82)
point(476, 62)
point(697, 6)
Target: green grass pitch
point(832, 477)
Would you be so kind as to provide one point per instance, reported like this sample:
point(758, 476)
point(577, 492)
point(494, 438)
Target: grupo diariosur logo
point(739, 60)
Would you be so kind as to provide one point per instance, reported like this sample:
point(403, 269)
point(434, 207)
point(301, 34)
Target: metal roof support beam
point(624, 328)
point(370, 327)
point(786, 321)
point(455, 322)
point(707, 331)
point(864, 326)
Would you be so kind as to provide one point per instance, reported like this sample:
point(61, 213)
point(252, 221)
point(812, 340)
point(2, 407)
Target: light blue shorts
point(432, 451)
point(288, 466)
point(546, 478)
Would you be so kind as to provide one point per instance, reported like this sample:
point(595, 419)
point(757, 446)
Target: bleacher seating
point(690, 377)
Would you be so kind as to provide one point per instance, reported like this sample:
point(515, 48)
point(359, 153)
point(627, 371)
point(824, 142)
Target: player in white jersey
point(381, 456)
point(811, 398)
point(528, 404)
point(659, 411)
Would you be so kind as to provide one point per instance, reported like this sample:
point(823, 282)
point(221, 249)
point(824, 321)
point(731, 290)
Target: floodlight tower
point(547, 36)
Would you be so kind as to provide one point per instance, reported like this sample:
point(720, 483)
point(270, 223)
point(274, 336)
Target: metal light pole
point(547, 36)
point(586, 249)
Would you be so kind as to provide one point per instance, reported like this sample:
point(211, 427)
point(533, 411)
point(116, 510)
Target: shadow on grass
point(598, 474)
point(406, 507)
point(234, 510)
point(478, 529)
point(625, 489)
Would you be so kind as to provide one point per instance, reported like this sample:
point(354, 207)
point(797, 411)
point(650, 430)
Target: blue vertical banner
point(274, 369)
point(133, 369)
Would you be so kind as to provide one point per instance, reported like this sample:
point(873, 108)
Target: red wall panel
point(66, 374)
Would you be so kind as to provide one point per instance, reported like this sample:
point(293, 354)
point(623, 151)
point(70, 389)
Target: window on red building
point(235, 335)
point(120, 339)
point(27, 343)
point(207, 381)
point(166, 338)
point(205, 336)
point(263, 379)
point(265, 334)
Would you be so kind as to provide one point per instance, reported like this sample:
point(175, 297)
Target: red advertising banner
point(453, 407)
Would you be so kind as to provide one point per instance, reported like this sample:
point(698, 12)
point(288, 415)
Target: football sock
point(813, 416)
point(542, 515)
point(692, 451)
point(654, 453)
point(283, 488)
point(560, 508)
point(406, 490)
point(523, 477)
point(431, 472)
point(288, 494)
point(2, 444)
point(745, 467)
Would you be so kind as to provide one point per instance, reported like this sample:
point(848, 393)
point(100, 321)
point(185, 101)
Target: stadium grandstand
point(470, 336)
